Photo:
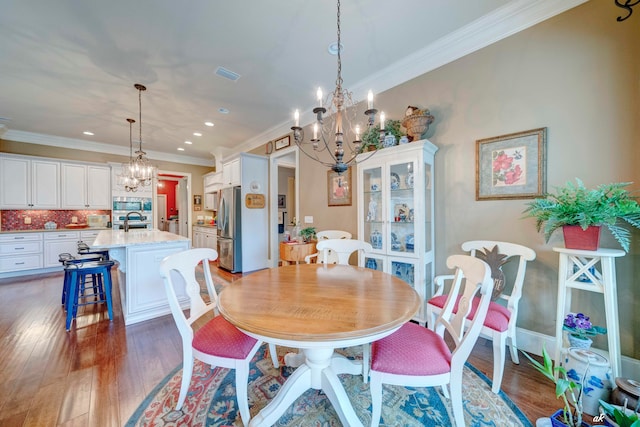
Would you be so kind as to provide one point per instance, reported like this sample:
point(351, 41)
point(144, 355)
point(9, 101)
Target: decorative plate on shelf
point(395, 181)
point(409, 180)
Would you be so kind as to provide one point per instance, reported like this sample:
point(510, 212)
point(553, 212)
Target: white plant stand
point(592, 271)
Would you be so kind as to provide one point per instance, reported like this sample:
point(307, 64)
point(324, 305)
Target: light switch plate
point(308, 219)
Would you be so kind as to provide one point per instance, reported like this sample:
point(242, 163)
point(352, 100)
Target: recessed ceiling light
point(86, 132)
point(223, 110)
point(197, 134)
point(188, 142)
point(208, 124)
point(180, 149)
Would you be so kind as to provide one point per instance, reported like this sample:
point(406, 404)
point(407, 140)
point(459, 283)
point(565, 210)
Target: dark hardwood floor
point(98, 373)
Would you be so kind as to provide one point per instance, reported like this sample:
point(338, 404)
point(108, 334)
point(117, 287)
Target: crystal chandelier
point(143, 171)
point(341, 107)
point(139, 171)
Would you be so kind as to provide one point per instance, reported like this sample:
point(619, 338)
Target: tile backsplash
point(14, 220)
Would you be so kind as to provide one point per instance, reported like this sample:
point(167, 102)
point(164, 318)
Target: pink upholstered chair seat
point(220, 338)
point(411, 350)
point(497, 317)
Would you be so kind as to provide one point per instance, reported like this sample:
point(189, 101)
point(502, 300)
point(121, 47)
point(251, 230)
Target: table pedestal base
point(320, 372)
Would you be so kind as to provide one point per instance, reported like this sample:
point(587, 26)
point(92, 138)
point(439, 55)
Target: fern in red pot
point(608, 205)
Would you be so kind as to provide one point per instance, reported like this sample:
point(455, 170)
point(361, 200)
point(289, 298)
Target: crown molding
point(503, 22)
point(98, 147)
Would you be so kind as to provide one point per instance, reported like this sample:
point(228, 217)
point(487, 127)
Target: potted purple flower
point(580, 330)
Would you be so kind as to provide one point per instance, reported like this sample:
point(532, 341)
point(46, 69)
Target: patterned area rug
point(211, 400)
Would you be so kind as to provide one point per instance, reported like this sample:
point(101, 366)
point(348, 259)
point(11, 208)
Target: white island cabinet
point(139, 253)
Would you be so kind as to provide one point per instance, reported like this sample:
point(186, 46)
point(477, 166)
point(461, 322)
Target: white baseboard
point(532, 342)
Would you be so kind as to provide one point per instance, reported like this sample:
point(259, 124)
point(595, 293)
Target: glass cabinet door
point(401, 208)
point(428, 206)
point(373, 262)
point(404, 270)
point(373, 214)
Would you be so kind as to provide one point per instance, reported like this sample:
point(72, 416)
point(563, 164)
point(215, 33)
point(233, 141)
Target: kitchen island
point(139, 253)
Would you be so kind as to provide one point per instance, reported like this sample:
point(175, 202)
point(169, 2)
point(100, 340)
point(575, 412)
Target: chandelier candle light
point(139, 171)
point(340, 103)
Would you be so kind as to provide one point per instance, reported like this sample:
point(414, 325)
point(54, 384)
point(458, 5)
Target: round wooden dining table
point(317, 308)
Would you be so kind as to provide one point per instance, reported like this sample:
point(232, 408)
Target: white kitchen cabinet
point(86, 186)
point(141, 290)
point(212, 181)
point(211, 201)
point(205, 237)
point(29, 183)
point(59, 242)
point(20, 251)
point(231, 173)
point(395, 213)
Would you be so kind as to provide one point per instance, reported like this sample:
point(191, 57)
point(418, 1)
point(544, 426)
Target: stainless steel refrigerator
point(230, 229)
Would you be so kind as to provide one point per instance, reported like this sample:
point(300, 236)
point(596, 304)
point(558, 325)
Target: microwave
point(128, 204)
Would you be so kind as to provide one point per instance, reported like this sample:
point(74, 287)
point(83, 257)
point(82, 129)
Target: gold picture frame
point(512, 166)
point(339, 188)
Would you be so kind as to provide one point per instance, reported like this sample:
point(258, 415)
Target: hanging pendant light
point(142, 170)
point(126, 177)
point(340, 109)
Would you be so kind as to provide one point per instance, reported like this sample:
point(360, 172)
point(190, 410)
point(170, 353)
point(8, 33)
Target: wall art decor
point(282, 142)
point(511, 166)
point(282, 201)
point(339, 188)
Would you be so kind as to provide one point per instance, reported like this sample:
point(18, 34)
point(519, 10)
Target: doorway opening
point(173, 201)
point(284, 190)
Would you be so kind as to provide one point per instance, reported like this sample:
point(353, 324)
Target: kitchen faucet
point(126, 219)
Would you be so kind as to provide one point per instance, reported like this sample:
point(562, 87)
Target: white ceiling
point(70, 66)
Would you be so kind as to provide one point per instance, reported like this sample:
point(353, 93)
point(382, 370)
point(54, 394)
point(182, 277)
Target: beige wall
point(576, 74)
point(88, 156)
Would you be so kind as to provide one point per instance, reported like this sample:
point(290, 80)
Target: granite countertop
point(48, 230)
point(119, 238)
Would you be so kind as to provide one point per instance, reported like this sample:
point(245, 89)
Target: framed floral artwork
point(339, 188)
point(511, 166)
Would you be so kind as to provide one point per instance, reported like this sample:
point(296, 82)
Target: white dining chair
point(415, 356)
point(217, 342)
point(328, 256)
point(342, 249)
point(500, 324)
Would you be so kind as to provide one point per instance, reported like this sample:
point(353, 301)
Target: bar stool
point(101, 290)
point(84, 249)
point(65, 259)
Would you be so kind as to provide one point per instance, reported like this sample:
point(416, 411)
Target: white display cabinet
point(395, 213)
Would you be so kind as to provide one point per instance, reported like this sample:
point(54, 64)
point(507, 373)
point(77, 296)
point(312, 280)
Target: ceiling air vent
point(227, 74)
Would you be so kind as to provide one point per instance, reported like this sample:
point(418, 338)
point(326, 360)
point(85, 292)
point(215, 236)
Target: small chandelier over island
point(341, 107)
point(139, 171)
